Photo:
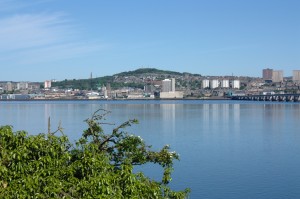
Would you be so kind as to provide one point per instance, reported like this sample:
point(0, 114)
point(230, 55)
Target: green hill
point(144, 71)
point(94, 83)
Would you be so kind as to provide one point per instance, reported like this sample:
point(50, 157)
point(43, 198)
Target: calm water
point(230, 150)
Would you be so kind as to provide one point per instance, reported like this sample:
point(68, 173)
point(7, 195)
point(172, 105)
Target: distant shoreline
point(156, 99)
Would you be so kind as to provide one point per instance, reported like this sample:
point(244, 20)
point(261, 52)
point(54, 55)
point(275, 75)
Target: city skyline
point(271, 74)
point(52, 39)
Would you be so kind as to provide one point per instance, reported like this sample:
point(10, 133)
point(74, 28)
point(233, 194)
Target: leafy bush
point(99, 165)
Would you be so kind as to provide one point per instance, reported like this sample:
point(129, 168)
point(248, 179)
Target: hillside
point(117, 80)
point(147, 71)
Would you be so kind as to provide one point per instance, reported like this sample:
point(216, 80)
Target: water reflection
point(231, 146)
point(236, 117)
point(169, 117)
point(273, 117)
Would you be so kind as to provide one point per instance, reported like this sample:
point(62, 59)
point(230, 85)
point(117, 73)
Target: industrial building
point(168, 89)
point(166, 85)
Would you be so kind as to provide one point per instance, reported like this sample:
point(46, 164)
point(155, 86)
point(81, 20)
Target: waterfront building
point(296, 76)
point(214, 83)
point(277, 76)
point(135, 95)
point(236, 84)
point(168, 89)
point(172, 84)
point(166, 85)
point(225, 83)
point(169, 95)
point(104, 92)
point(267, 74)
point(205, 83)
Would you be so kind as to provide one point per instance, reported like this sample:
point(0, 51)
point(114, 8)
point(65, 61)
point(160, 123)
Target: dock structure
point(274, 97)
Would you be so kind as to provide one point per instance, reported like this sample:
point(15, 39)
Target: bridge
point(274, 97)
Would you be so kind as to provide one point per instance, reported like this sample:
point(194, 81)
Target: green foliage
point(142, 71)
point(243, 87)
point(83, 84)
point(99, 165)
point(87, 84)
point(196, 84)
point(94, 84)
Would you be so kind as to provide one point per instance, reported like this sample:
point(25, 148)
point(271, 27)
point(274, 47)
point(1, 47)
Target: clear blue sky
point(66, 39)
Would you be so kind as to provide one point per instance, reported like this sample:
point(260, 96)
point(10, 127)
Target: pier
point(274, 97)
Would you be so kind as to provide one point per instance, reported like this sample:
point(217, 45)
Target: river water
point(228, 149)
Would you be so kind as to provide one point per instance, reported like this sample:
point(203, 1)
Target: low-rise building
point(22, 85)
point(170, 95)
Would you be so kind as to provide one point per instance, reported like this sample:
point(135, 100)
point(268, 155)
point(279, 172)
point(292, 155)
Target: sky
point(70, 39)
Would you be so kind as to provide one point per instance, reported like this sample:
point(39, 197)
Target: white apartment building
point(225, 83)
point(236, 84)
point(214, 83)
point(205, 83)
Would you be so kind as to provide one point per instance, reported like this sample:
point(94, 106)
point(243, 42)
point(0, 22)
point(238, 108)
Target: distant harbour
point(267, 98)
point(118, 99)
